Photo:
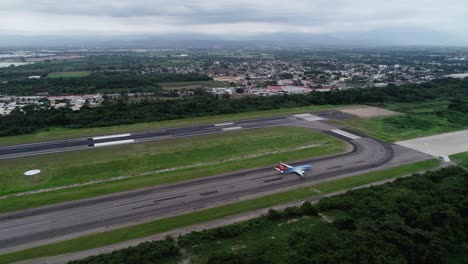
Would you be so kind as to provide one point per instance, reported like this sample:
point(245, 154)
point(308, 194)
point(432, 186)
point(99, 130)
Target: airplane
point(299, 170)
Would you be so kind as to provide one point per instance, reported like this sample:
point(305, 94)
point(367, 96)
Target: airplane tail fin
point(281, 168)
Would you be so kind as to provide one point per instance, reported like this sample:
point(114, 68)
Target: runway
point(42, 225)
point(77, 217)
point(25, 150)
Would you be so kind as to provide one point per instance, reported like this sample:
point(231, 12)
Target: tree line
point(98, 82)
point(33, 117)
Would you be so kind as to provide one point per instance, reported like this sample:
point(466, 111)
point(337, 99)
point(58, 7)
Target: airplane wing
point(300, 173)
point(286, 165)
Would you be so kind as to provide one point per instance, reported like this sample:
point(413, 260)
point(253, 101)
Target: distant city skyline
point(426, 21)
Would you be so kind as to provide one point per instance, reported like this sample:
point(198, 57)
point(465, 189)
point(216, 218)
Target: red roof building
point(274, 88)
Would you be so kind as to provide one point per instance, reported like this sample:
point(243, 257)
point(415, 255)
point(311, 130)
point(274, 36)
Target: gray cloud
point(227, 17)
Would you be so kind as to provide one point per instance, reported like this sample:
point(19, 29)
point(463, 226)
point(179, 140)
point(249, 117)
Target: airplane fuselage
point(298, 168)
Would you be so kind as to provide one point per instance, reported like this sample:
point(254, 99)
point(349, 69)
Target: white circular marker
point(32, 172)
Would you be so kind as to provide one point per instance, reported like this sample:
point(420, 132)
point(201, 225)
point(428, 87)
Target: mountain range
point(383, 37)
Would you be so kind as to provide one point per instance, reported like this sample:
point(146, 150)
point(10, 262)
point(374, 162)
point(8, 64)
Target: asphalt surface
point(16, 151)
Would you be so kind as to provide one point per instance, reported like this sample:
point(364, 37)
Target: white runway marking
point(224, 124)
point(231, 128)
point(309, 117)
point(442, 145)
point(111, 136)
point(119, 142)
point(345, 134)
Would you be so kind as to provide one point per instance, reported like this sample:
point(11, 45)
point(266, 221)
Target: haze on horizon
point(424, 21)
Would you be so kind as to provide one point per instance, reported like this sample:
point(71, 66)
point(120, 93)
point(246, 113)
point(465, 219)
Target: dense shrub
point(146, 252)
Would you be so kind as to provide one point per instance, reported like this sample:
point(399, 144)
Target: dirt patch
point(237, 247)
point(367, 111)
point(326, 218)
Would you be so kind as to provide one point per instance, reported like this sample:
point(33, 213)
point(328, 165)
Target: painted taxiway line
point(112, 136)
point(345, 134)
point(119, 142)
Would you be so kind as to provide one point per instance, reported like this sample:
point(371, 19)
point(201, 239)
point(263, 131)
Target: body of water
point(459, 75)
point(8, 63)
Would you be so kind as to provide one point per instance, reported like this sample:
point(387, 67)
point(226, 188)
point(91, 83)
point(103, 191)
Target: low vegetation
point(158, 226)
point(418, 120)
point(461, 158)
point(421, 219)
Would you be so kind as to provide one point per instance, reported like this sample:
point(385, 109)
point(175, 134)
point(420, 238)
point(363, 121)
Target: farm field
point(70, 74)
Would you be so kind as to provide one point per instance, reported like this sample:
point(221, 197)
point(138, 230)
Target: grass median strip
point(103, 163)
point(162, 225)
point(216, 148)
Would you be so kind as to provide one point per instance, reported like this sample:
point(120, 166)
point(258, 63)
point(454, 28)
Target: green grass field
point(102, 163)
point(418, 120)
point(70, 74)
point(67, 133)
point(158, 226)
point(462, 158)
point(191, 85)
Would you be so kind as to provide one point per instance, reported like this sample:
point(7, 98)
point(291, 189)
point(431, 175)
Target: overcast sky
point(227, 17)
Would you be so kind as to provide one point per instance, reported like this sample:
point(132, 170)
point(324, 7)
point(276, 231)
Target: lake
point(8, 63)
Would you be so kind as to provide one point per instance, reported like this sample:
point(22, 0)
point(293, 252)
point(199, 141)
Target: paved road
point(24, 150)
point(84, 216)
